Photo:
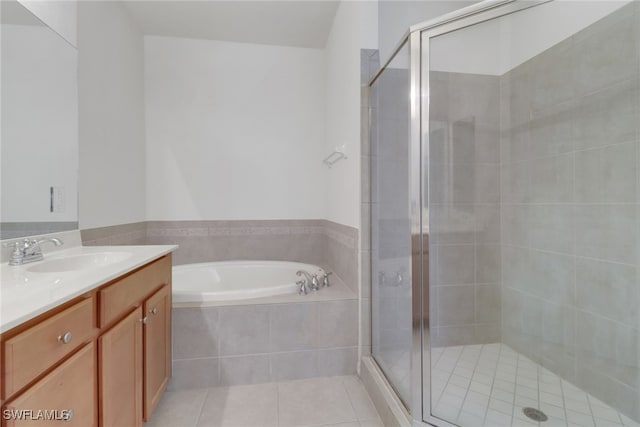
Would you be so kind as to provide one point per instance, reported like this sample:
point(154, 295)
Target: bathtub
point(236, 280)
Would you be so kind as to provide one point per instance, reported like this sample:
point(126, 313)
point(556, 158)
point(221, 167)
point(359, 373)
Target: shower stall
point(505, 216)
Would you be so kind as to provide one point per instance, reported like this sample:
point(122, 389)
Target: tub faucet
point(310, 282)
point(28, 250)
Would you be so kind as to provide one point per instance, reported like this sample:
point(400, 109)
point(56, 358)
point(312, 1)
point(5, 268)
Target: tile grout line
point(469, 386)
point(564, 401)
point(346, 390)
point(515, 388)
point(493, 381)
point(206, 395)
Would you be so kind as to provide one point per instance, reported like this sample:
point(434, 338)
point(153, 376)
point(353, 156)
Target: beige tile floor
point(330, 401)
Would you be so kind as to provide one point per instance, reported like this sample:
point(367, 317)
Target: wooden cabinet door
point(67, 396)
point(157, 348)
point(121, 373)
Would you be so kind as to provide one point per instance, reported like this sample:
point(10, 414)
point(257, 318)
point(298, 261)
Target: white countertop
point(25, 294)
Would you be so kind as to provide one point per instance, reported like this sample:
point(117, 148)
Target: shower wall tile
point(608, 289)
point(456, 305)
point(550, 179)
point(487, 218)
point(452, 224)
point(365, 326)
point(546, 275)
point(365, 163)
point(465, 231)
point(606, 52)
point(608, 116)
point(514, 182)
point(365, 274)
point(550, 131)
point(607, 232)
point(549, 227)
point(606, 175)
point(456, 264)
point(487, 304)
point(552, 77)
point(624, 398)
point(487, 263)
point(570, 166)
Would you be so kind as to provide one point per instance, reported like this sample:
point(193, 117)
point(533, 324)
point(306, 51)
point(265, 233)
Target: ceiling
point(286, 23)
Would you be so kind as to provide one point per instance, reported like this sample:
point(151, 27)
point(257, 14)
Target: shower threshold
point(491, 385)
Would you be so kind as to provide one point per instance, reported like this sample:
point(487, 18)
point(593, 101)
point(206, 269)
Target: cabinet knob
point(154, 311)
point(66, 338)
point(144, 320)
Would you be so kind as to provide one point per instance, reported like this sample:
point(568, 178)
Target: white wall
point(396, 16)
point(369, 24)
point(111, 103)
point(60, 15)
point(39, 124)
point(234, 131)
point(343, 111)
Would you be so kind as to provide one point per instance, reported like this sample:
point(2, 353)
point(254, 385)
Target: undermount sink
point(78, 262)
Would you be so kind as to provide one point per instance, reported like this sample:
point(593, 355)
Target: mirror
point(39, 127)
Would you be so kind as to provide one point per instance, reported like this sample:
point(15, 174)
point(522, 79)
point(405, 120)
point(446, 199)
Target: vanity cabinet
point(32, 351)
point(105, 355)
point(68, 393)
point(121, 373)
point(157, 348)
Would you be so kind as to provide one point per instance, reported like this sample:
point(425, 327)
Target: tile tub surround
point(334, 401)
point(125, 234)
point(317, 242)
point(249, 344)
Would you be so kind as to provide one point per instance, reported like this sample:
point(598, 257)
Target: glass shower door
point(390, 221)
point(533, 130)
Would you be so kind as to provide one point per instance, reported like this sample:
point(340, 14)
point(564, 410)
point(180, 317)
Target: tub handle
point(315, 284)
point(325, 279)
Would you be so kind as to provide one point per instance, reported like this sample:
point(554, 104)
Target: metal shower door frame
point(419, 37)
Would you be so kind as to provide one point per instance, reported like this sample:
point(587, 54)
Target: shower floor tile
point(490, 385)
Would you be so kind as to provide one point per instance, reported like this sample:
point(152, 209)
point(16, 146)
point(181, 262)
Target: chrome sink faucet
point(28, 250)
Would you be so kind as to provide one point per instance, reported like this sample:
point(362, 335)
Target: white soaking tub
point(236, 280)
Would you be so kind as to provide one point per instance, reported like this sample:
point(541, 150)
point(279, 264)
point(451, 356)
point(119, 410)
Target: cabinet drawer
point(127, 293)
point(69, 387)
point(33, 351)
